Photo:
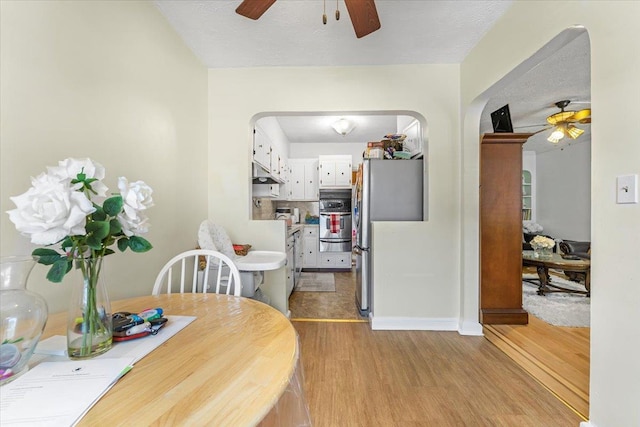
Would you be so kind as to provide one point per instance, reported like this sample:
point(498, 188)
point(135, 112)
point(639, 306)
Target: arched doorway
point(496, 96)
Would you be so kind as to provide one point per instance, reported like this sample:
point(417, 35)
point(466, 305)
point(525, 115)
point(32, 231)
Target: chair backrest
point(187, 265)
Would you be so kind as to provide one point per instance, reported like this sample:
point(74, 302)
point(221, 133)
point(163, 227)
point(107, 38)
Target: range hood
point(264, 180)
point(261, 176)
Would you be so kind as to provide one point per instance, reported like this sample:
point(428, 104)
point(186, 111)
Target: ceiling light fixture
point(343, 126)
point(556, 135)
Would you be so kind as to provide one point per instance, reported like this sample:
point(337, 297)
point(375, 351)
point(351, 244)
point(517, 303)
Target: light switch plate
point(627, 189)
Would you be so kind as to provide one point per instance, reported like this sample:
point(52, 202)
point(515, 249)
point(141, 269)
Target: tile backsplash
point(267, 208)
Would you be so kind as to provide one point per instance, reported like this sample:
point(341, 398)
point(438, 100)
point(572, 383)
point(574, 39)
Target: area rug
point(557, 308)
point(316, 282)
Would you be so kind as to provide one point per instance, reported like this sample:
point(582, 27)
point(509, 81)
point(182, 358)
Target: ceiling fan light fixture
point(574, 132)
point(343, 126)
point(556, 136)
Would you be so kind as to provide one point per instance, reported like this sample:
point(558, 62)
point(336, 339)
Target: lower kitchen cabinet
point(335, 260)
point(290, 264)
point(311, 246)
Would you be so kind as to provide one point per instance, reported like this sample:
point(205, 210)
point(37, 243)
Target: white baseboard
point(413, 324)
point(587, 424)
point(470, 328)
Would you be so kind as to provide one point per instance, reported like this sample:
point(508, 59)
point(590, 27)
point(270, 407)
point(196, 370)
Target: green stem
point(92, 323)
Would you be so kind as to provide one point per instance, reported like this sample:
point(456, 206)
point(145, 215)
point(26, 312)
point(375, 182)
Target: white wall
point(113, 82)
point(615, 297)
point(563, 183)
point(424, 256)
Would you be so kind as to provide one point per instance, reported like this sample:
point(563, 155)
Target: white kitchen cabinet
point(261, 148)
point(298, 255)
point(275, 161)
point(335, 171)
point(304, 179)
point(335, 260)
point(290, 264)
point(311, 246)
point(266, 190)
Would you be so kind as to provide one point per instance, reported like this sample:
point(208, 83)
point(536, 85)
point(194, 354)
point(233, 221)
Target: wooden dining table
point(236, 364)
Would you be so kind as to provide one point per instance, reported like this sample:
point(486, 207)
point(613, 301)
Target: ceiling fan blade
point(582, 115)
point(541, 130)
point(253, 9)
point(364, 16)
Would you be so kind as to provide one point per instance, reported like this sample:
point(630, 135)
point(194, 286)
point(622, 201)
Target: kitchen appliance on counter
point(284, 213)
point(335, 220)
point(386, 190)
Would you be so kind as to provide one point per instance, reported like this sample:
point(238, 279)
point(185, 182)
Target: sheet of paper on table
point(59, 393)
point(54, 348)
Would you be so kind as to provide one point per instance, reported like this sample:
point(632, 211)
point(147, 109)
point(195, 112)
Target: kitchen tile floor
point(338, 305)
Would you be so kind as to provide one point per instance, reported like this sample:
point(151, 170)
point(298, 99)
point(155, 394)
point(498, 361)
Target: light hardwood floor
point(397, 363)
point(556, 356)
point(358, 377)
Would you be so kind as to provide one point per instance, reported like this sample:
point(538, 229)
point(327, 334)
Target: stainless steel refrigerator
point(386, 190)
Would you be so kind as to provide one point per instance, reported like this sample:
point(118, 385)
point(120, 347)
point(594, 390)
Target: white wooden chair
point(187, 265)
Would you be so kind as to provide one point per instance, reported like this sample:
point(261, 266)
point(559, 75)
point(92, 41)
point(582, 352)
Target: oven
point(335, 221)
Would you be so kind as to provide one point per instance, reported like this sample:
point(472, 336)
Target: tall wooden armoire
point(501, 228)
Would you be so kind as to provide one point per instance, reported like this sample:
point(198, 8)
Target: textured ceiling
point(291, 33)
point(563, 76)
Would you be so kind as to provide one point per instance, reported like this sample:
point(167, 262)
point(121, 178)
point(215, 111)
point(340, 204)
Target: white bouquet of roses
point(542, 242)
point(59, 209)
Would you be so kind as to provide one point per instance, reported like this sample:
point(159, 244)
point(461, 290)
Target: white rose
point(134, 225)
point(137, 198)
point(50, 210)
point(136, 195)
point(70, 168)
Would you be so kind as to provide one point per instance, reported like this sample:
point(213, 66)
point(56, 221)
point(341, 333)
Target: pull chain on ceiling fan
point(363, 13)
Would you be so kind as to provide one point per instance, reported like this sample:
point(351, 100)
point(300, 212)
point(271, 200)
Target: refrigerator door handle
point(358, 250)
point(335, 240)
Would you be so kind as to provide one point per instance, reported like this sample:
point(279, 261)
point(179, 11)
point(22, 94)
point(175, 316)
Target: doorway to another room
point(556, 201)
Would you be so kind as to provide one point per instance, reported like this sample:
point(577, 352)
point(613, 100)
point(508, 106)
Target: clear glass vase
point(542, 252)
point(23, 314)
point(89, 327)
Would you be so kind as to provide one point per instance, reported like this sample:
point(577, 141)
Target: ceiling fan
point(363, 13)
point(564, 122)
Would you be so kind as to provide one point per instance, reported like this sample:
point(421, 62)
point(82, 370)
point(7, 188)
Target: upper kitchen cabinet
point(270, 169)
point(261, 149)
point(303, 181)
point(335, 171)
point(277, 165)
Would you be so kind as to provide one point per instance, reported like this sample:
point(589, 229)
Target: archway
point(473, 128)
